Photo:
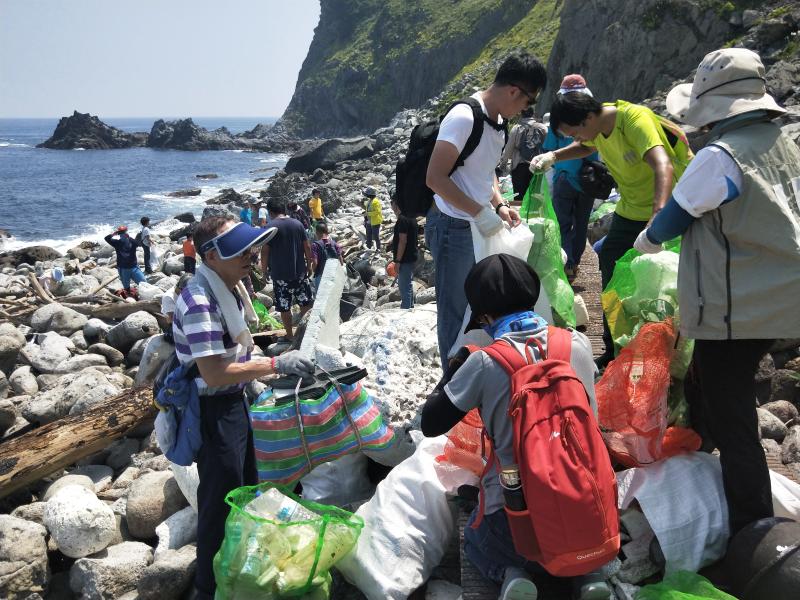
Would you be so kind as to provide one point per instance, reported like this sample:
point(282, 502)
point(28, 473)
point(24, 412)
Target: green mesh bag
point(682, 585)
point(601, 211)
point(264, 558)
point(265, 320)
point(545, 255)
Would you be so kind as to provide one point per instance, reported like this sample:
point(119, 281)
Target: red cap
point(122, 228)
point(573, 82)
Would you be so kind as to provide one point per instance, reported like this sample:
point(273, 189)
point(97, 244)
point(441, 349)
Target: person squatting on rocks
point(127, 265)
point(210, 329)
point(572, 205)
point(737, 207)
point(189, 254)
point(404, 254)
point(501, 291)
point(524, 142)
point(146, 243)
point(645, 155)
point(322, 249)
point(373, 217)
point(472, 193)
point(289, 260)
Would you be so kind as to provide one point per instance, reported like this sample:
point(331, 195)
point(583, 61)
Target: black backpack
point(530, 142)
point(414, 197)
point(595, 179)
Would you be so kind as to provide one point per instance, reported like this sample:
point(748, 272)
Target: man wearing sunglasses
point(210, 329)
point(466, 190)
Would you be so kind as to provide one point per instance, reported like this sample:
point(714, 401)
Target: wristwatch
point(501, 205)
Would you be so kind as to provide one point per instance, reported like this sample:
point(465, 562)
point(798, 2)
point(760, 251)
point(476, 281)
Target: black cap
point(499, 285)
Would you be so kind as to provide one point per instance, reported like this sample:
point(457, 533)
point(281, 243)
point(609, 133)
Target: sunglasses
point(531, 97)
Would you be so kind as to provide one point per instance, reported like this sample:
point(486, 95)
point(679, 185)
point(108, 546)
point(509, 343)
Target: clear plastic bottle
point(272, 504)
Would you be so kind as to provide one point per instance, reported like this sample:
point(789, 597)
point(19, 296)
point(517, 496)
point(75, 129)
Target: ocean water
point(59, 197)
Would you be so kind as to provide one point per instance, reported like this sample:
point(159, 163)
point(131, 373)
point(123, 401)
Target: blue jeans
point(125, 276)
point(404, 273)
point(450, 243)
point(491, 549)
point(572, 210)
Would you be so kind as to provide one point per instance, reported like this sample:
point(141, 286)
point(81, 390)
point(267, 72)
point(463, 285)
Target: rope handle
point(335, 382)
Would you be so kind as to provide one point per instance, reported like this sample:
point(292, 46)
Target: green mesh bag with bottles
point(277, 545)
point(545, 255)
point(265, 320)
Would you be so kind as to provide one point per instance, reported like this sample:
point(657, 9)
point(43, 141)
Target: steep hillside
point(371, 58)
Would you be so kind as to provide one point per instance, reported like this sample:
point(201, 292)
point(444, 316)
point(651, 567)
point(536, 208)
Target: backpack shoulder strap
point(478, 119)
point(506, 356)
point(559, 344)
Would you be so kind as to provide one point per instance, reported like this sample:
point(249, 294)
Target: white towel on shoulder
point(237, 326)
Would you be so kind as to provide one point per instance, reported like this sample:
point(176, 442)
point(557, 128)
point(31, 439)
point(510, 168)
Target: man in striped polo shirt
point(210, 329)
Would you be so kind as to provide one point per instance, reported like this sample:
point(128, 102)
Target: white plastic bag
point(407, 528)
point(785, 496)
point(517, 242)
point(338, 482)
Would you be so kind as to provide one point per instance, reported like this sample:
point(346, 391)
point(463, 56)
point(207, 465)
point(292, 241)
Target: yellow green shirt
point(374, 211)
point(637, 130)
point(315, 206)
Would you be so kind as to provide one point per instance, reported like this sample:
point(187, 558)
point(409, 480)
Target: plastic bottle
point(272, 504)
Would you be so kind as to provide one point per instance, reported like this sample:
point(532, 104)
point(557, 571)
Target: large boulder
point(48, 353)
point(23, 558)
point(62, 482)
point(23, 381)
point(8, 414)
point(5, 386)
point(771, 426)
point(136, 326)
point(152, 498)
point(784, 386)
point(30, 255)
point(11, 342)
point(95, 330)
point(184, 134)
point(790, 448)
point(75, 285)
point(79, 523)
point(74, 394)
point(783, 409)
point(113, 356)
point(55, 317)
point(111, 573)
point(82, 130)
point(328, 153)
point(177, 531)
point(80, 362)
point(169, 576)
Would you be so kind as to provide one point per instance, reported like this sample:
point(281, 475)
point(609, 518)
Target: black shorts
point(288, 293)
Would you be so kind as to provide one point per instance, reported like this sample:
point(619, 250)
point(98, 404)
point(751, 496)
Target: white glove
point(488, 222)
point(644, 245)
point(542, 162)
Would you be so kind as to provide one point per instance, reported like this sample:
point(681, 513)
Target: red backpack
point(571, 525)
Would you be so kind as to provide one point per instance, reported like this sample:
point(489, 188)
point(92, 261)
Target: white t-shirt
point(710, 180)
point(168, 302)
point(476, 177)
point(146, 236)
point(262, 214)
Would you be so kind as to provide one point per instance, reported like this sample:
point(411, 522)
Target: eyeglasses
point(531, 97)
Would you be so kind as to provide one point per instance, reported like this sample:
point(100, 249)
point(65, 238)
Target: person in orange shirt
point(189, 254)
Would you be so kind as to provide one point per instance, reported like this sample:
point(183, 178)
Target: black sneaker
point(602, 361)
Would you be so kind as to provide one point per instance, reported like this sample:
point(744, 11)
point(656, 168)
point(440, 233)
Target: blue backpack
point(178, 421)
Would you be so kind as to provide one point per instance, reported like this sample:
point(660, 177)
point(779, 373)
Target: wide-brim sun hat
point(728, 82)
point(239, 238)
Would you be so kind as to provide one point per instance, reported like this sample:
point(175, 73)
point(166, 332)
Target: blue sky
point(148, 58)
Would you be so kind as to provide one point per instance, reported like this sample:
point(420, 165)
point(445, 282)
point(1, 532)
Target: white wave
point(94, 233)
point(10, 145)
point(79, 148)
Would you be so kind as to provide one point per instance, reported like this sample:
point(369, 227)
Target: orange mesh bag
point(463, 447)
point(632, 396)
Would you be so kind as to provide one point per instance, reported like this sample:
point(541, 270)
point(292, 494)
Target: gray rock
point(771, 426)
point(169, 576)
point(113, 356)
point(749, 18)
point(783, 409)
point(5, 386)
point(79, 341)
point(33, 512)
point(79, 523)
point(50, 351)
point(95, 330)
point(47, 381)
point(120, 452)
point(771, 446)
point(135, 354)
point(126, 478)
point(79, 363)
point(784, 385)
point(55, 317)
point(111, 573)
point(23, 558)
point(23, 381)
point(72, 479)
point(157, 463)
point(8, 415)
point(173, 265)
point(136, 326)
point(75, 285)
point(11, 342)
point(327, 154)
point(425, 296)
point(101, 475)
point(790, 448)
point(76, 391)
point(152, 498)
point(177, 531)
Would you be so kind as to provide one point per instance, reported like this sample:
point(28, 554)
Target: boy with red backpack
point(548, 493)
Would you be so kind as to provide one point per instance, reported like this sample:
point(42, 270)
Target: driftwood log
point(47, 449)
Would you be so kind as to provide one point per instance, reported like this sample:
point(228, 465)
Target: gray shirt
point(483, 383)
